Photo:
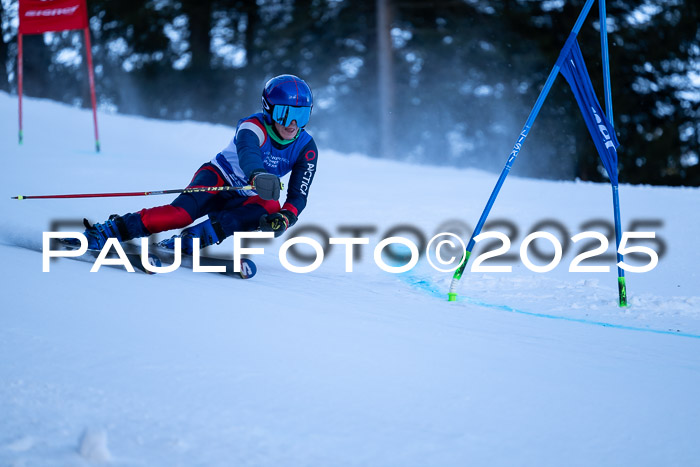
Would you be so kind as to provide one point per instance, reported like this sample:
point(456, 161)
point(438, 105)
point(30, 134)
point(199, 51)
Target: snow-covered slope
point(329, 367)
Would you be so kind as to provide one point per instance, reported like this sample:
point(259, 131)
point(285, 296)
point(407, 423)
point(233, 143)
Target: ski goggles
point(285, 114)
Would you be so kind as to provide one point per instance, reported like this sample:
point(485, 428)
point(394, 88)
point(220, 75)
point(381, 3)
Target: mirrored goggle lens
point(285, 114)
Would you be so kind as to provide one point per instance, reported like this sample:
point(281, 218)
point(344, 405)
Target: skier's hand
point(277, 222)
point(266, 185)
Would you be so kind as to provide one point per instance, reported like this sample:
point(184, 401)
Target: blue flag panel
point(574, 70)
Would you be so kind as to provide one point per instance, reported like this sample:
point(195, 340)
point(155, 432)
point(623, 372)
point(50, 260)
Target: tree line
point(463, 75)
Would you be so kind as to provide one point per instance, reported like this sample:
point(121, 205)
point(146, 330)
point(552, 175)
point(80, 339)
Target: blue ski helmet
point(287, 98)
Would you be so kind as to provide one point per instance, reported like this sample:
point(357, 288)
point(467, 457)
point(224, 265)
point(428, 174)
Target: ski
point(167, 256)
point(133, 254)
point(162, 257)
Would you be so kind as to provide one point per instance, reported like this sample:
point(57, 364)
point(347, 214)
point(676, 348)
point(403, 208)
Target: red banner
point(39, 16)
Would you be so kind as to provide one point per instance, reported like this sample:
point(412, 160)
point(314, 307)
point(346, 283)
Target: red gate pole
point(91, 76)
point(19, 81)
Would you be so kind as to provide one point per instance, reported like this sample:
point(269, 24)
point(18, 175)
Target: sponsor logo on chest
point(272, 160)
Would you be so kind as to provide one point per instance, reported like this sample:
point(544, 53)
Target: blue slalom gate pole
point(621, 285)
point(606, 59)
point(452, 294)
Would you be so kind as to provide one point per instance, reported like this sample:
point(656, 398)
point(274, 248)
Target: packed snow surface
point(333, 368)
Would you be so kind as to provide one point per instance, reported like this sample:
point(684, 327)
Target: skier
point(265, 147)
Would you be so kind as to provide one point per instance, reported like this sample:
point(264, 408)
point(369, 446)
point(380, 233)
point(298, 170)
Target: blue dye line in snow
point(427, 286)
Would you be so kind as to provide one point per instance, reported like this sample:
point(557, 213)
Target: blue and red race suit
point(255, 146)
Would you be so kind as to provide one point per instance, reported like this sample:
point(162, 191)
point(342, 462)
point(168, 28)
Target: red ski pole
point(139, 193)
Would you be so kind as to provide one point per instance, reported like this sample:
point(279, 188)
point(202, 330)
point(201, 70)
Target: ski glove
point(277, 222)
point(266, 184)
